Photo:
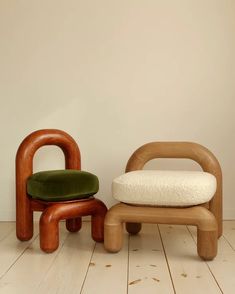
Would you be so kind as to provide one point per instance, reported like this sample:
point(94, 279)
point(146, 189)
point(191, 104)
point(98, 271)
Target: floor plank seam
point(167, 262)
point(88, 268)
point(228, 242)
point(52, 262)
point(22, 253)
point(208, 266)
point(214, 277)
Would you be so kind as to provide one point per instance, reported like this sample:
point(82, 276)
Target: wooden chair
point(206, 216)
point(69, 207)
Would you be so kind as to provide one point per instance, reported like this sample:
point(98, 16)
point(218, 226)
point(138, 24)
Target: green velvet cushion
point(60, 185)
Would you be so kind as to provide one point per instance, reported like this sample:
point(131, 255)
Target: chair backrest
point(28, 148)
point(189, 150)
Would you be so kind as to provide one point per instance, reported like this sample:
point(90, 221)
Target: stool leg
point(113, 237)
point(133, 228)
point(207, 244)
point(74, 224)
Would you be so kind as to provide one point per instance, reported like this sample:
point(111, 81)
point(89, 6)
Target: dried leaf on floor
point(92, 264)
point(135, 282)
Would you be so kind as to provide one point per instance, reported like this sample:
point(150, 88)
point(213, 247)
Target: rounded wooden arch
point(24, 169)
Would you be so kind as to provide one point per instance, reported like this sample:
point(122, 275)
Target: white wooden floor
point(161, 259)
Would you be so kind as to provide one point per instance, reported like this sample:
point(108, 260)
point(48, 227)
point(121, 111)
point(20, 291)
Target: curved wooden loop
point(49, 230)
point(198, 216)
point(189, 150)
point(24, 169)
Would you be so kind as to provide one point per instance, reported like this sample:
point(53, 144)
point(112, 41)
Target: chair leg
point(74, 224)
point(24, 222)
point(133, 228)
point(49, 232)
point(97, 221)
point(49, 229)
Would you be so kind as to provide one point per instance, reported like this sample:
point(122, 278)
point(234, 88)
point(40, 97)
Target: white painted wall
point(116, 75)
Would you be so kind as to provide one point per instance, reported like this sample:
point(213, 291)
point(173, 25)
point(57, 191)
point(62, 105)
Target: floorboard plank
point(148, 271)
point(67, 273)
point(223, 265)
point(29, 269)
point(6, 228)
point(229, 232)
point(107, 272)
point(81, 266)
point(11, 249)
point(190, 274)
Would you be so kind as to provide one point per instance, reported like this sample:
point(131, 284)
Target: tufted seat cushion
point(164, 188)
point(61, 185)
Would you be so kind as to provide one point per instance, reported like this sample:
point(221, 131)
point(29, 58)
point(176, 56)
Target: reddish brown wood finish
point(49, 231)
point(25, 205)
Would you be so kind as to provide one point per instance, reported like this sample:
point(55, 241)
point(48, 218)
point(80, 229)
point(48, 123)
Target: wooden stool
point(51, 192)
point(206, 216)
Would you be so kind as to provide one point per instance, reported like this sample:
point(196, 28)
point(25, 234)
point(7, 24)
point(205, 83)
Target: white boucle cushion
point(164, 188)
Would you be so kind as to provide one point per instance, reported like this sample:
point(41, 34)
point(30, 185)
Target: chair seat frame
point(207, 216)
point(52, 212)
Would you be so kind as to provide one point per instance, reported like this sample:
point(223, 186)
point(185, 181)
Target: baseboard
point(229, 214)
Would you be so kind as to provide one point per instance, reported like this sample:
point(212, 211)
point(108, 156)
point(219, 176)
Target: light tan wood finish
point(207, 217)
point(198, 216)
point(204, 157)
point(52, 212)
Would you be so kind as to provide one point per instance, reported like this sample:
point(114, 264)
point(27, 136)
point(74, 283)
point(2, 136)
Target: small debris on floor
point(153, 265)
point(156, 250)
point(137, 265)
point(135, 249)
point(184, 275)
point(108, 265)
point(156, 280)
point(92, 264)
point(135, 282)
point(198, 277)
